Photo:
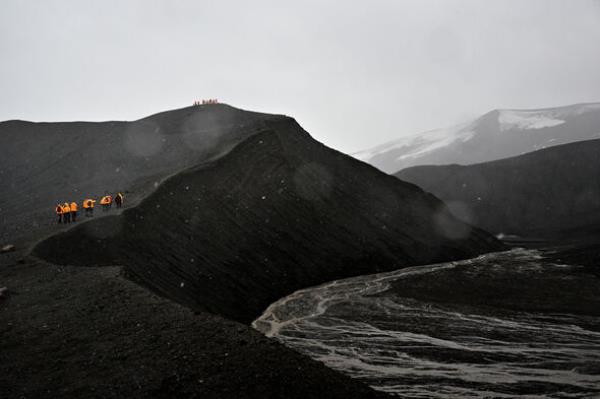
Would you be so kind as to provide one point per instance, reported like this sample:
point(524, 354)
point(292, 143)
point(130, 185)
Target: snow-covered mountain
point(495, 135)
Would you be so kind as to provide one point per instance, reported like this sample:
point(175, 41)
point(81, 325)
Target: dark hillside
point(75, 332)
point(278, 213)
point(46, 163)
point(550, 192)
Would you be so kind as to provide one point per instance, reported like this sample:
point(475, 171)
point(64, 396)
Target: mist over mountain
point(549, 192)
point(498, 134)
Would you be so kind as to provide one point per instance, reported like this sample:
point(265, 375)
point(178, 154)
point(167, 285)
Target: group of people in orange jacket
point(67, 213)
point(209, 101)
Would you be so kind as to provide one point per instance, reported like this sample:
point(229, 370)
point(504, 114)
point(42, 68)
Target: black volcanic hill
point(554, 191)
point(46, 163)
point(277, 213)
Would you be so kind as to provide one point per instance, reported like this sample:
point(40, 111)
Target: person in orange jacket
point(106, 202)
point(73, 207)
point(66, 210)
point(59, 212)
point(88, 205)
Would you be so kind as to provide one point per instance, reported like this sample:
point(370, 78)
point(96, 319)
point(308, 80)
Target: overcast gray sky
point(354, 74)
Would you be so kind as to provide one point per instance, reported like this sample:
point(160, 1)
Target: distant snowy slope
point(495, 135)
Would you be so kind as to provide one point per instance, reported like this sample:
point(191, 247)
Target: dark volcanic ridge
point(554, 192)
point(46, 163)
point(277, 213)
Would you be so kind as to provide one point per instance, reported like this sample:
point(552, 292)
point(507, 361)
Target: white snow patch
point(434, 139)
point(418, 144)
point(510, 119)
